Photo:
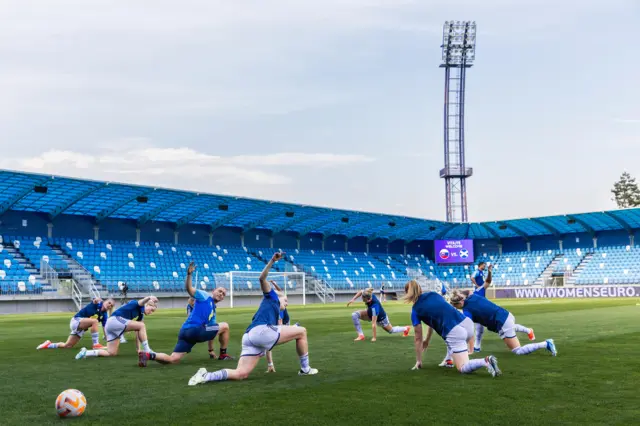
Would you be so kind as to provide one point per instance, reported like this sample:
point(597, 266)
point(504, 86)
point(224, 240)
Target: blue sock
point(53, 346)
point(473, 365)
point(304, 362)
point(527, 349)
point(217, 376)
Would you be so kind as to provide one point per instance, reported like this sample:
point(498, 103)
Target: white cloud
point(178, 166)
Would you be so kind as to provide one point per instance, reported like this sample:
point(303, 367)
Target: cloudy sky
point(326, 102)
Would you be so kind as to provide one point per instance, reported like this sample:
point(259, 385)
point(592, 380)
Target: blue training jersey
point(284, 316)
point(91, 310)
point(374, 307)
point(432, 309)
point(130, 311)
point(478, 279)
point(483, 311)
point(268, 312)
point(189, 309)
point(203, 313)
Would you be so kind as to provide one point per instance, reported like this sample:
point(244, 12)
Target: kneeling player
point(199, 327)
point(262, 335)
point(497, 319)
point(128, 317)
point(83, 321)
point(374, 313)
point(454, 328)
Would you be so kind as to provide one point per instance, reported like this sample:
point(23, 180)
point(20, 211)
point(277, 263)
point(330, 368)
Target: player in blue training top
point(83, 321)
point(374, 313)
point(451, 325)
point(497, 319)
point(262, 335)
point(199, 327)
point(127, 317)
point(480, 284)
point(190, 304)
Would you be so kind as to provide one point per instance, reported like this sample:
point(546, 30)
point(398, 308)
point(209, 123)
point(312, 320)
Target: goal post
point(248, 282)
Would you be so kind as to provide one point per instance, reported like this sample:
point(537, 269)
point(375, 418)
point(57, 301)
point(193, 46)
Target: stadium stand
point(109, 233)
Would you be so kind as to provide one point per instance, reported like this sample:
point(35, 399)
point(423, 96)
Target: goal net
point(248, 282)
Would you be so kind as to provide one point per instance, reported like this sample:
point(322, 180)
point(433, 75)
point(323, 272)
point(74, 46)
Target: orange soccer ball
point(71, 403)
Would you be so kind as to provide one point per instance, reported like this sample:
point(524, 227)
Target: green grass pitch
point(594, 380)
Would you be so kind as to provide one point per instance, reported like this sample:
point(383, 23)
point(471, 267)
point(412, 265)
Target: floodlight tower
point(458, 54)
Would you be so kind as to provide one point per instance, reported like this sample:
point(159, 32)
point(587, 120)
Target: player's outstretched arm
point(487, 282)
point(358, 294)
point(188, 286)
point(264, 284)
point(270, 367)
point(374, 325)
point(147, 299)
point(276, 286)
point(417, 342)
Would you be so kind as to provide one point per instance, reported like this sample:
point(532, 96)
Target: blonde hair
point(458, 296)
point(412, 292)
point(367, 293)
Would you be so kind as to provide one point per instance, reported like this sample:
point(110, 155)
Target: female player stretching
point(480, 284)
point(451, 325)
point(126, 318)
point(262, 335)
point(83, 321)
point(499, 320)
point(199, 327)
point(374, 313)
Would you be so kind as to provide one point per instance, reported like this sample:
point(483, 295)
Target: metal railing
point(76, 295)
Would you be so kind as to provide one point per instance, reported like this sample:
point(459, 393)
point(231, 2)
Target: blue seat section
point(14, 278)
point(611, 265)
point(348, 270)
point(147, 267)
point(517, 268)
point(37, 250)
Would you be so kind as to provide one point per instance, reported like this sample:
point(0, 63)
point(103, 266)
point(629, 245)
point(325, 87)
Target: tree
point(626, 192)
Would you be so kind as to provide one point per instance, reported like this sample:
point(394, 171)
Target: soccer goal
point(248, 282)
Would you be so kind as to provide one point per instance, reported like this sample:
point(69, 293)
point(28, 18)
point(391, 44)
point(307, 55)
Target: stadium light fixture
point(458, 43)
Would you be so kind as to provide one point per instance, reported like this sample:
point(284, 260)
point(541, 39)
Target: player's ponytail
point(456, 297)
point(412, 292)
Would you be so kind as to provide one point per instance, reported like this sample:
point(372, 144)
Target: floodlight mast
point(458, 54)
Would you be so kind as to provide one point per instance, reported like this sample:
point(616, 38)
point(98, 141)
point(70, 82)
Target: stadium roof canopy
point(54, 195)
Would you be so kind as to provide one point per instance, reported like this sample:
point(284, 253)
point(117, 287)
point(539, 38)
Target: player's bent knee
point(222, 327)
point(355, 315)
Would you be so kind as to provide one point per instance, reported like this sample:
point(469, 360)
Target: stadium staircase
point(549, 270)
point(87, 285)
point(581, 266)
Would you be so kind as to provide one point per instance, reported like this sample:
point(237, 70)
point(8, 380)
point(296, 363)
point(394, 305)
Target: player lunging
point(199, 327)
point(374, 313)
point(451, 325)
point(83, 321)
point(480, 284)
point(499, 320)
point(262, 335)
point(128, 317)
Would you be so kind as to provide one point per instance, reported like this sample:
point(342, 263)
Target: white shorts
point(459, 336)
point(259, 340)
point(115, 327)
point(508, 329)
point(385, 322)
point(73, 325)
